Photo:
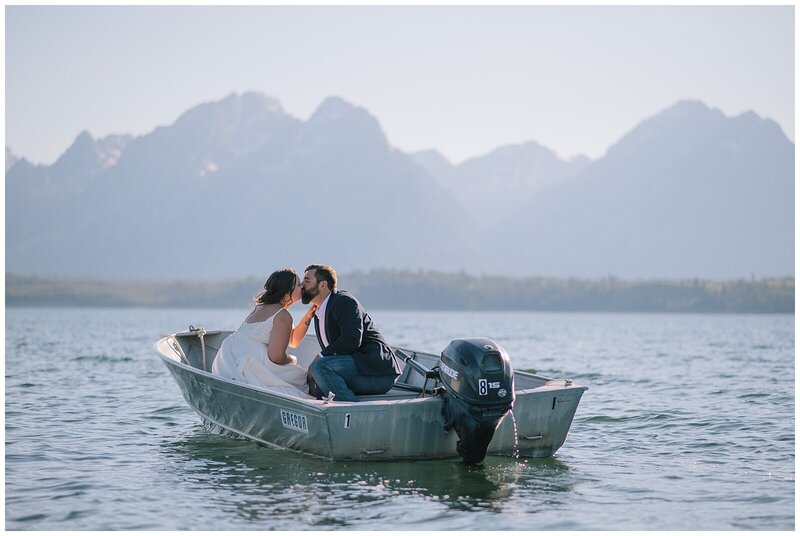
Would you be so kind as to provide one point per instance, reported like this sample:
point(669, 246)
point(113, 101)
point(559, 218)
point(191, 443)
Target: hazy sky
point(463, 80)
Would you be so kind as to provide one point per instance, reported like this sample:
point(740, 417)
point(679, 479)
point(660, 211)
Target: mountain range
point(239, 187)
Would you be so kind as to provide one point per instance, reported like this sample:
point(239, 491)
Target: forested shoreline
point(428, 290)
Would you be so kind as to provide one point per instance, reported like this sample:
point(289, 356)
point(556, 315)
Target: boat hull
point(407, 426)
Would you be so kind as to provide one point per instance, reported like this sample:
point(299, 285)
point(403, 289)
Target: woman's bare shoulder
point(260, 313)
point(283, 317)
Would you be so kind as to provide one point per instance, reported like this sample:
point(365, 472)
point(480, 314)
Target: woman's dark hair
point(277, 286)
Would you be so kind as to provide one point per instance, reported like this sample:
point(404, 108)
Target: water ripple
point(103, 358)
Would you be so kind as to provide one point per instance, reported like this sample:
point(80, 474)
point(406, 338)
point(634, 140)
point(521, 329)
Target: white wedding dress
point(243, 358)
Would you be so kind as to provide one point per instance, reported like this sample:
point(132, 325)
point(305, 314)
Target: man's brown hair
point(324, 273)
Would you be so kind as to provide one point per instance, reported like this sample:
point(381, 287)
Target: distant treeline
point(407, 290)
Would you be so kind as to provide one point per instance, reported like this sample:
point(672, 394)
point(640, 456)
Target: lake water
point(689, 423)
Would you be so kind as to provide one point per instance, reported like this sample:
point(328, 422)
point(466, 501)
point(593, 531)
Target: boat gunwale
point(324, 405)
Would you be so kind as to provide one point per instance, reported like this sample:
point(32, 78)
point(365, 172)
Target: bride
point(255, 353)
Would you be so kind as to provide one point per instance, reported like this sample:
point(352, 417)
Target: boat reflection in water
point(282, 490)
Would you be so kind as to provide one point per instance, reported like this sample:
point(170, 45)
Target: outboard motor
point(479, 391)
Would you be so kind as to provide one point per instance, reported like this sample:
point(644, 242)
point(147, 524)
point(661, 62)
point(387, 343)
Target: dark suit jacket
point(350, 331)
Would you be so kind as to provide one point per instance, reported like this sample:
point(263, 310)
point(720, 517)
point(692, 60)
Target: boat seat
point(394, 393)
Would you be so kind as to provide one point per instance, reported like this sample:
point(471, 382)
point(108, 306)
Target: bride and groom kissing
point(355, 359)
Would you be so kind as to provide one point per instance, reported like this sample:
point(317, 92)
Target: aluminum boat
point(409, 422)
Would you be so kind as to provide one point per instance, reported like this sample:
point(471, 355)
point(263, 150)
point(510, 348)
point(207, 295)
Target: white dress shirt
point(320, 314)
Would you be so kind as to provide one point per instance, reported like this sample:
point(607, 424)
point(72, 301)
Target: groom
point(355, 358)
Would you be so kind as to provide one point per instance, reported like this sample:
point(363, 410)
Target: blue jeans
point(339, 374)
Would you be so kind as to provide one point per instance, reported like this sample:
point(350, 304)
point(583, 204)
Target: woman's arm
point(279, 338)
point(302, 328)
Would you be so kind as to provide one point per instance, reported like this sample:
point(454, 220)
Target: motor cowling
point(479, 391)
